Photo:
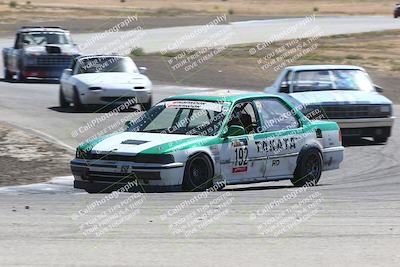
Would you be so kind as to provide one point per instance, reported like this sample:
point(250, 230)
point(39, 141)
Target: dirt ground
point(26, 159)
point(62, 12)
point(81, 25)
point(234, 67)
point(93, 8)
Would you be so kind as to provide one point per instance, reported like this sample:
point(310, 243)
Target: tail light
point(340, 136)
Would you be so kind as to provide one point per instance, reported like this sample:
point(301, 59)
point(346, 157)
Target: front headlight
point(152, 158)
point(81, 154)
point(385, 109)
point(95, 88)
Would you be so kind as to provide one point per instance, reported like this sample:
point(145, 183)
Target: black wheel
point(381, 139)
point(7, 75)
point(147, 106)
point(309, 168)
point(78, 106)
point(198, 174)
point(63, 102)
point(21, 77)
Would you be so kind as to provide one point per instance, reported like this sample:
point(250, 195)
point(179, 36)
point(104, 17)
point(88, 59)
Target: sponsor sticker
point(188, 104)
point(240, 156)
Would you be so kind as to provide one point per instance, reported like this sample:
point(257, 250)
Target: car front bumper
point(116, 96)
point(365, 123)
point(109, 176)
point(50, 72)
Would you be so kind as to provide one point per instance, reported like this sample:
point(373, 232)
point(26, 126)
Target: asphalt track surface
point(354, 219)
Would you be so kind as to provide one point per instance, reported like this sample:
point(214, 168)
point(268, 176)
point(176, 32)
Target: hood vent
point(134, 142)
point(53, 49)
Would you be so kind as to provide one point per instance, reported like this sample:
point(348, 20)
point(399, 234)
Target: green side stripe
point(184, 144)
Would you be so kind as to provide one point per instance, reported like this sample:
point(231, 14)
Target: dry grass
point(50, 9)
point(378, 52)
point(254, 7)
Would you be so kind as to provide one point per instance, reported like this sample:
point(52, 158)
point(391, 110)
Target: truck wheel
point(198, 174)
point(7, 75)
point(63, 102)
point(78, 106)
point(381, 139)
point(309, 168)
point(147, 106)
point(21, 77)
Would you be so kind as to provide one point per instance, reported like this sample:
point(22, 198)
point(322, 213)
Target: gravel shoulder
point(26, 159)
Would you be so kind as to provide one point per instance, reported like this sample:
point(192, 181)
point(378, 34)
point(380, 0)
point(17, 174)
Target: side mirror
point(284, 88)
point(142, 70)
point(234, 130)
point(67, 72)
point(378, 88)
point(128, 124)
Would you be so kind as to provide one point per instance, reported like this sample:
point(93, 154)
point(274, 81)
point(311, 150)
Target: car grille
point(116, 99)
point(353, 111)
point(56, 60)
point(122, 177)
point(158, 159)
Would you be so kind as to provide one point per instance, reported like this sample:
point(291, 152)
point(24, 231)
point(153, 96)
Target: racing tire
point(309, 168)
point(198, 174)
point(21, 77)
point(381, 139)
point(8, 76)
point(63, 102)
point(78, 106)
point(147, 106)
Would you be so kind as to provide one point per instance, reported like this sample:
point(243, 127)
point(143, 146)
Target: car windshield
point(107, 64)
point(45, 38)
point(337, 79)
point(183, 117)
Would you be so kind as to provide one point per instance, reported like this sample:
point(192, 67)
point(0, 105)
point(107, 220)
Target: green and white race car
point(196, 141)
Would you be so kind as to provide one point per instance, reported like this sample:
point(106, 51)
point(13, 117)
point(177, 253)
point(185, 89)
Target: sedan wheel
point(78, 106)
point(309, 168)
point(63, 102)
point(198, 174)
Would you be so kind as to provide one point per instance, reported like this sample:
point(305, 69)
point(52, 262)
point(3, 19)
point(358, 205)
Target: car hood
point(111, 78)
point(340, 97)
point(41, 50)
point(132, 143)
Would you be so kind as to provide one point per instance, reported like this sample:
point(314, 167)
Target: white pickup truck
point(344, 94)
point(40, 52)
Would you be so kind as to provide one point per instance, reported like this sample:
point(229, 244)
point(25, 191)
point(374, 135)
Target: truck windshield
point(45, 38)
point(334, 79)
point(183, 117)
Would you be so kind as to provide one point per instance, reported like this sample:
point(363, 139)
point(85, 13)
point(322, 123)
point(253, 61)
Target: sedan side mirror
point(128, 124)
point(67, 72)
point(234, 130)
point(142, 70)
point(378, 88)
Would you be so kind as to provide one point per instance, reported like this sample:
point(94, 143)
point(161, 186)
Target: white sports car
point(104, 80)
point(194, 142)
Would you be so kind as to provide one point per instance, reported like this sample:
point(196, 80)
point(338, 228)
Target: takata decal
point(240, 155)
point(273, 145)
